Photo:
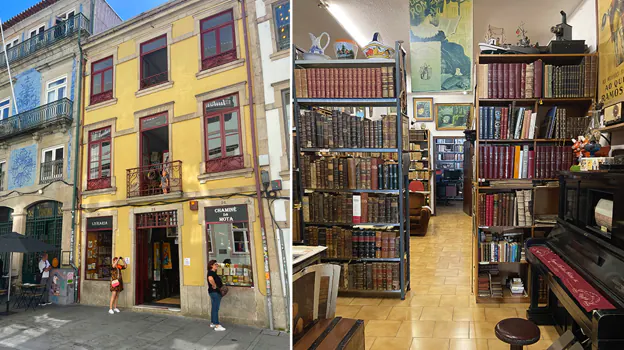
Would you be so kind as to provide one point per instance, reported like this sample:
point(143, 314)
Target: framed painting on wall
point(611, 48)
point(452, 116)
point(423, 109)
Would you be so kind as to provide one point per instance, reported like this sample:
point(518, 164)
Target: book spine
point(508, 81)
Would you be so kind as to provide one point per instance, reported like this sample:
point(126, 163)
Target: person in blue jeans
point(214, 283)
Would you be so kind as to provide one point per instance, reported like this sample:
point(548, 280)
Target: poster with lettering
point(611, 49)
point(166, 256)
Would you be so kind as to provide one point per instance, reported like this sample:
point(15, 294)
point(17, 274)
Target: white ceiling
point(391, 19)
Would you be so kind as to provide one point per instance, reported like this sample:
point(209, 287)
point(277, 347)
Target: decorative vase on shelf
point(346, 49)
point(317, 50)
point(377, 49)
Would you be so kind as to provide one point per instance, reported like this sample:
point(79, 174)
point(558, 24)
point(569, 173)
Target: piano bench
point(517, 332)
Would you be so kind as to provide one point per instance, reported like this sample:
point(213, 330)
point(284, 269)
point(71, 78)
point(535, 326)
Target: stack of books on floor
point(536, 80)
point(370, 276)
point(506, 209)
point(350, 209)
point(349, 173)
point(345, 82)
point(348, 243)
point(517, 287)
point(484, 285)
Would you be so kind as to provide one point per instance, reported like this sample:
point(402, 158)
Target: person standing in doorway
point(214, 285)
point(44, 272)
point(116, 283)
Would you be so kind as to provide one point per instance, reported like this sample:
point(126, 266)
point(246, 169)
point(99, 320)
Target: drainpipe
point(252, 118)
point(72, 238)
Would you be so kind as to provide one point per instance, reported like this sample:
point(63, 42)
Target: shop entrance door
point(44, 221)
point(157, 259)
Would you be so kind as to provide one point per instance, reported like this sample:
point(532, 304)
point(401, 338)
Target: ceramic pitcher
point(316, 44)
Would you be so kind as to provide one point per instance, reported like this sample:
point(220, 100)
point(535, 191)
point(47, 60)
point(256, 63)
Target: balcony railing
point(51, 171)
point(47, 38)
point(154, 79)
point(59, 111)
point(155, 179)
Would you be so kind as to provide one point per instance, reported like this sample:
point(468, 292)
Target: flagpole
point(6, 59)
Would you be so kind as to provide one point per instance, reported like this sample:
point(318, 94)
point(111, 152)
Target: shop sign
point(103, 223)
point(230, 213)
point(222, 103)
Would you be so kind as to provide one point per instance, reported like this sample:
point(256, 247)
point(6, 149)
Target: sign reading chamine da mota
point(102, 223)
point(230, 213)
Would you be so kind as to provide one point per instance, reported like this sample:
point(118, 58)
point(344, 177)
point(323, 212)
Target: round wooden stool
point(517, 332)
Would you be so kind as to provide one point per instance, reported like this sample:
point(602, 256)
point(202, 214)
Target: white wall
point(583, 22)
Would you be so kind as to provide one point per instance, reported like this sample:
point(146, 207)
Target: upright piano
point(582, 261)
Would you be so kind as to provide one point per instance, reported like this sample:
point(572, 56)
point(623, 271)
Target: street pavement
point(89, 328)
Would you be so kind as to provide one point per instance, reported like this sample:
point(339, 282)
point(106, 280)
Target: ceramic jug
point(316, 44)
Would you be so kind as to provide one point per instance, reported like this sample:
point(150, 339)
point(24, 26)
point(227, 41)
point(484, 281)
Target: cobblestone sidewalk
point(90, 328)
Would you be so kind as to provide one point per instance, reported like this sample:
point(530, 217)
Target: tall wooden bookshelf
point(542, 190)
point(420, 163)
point(323, 105)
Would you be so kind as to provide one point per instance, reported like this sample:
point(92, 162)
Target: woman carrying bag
point(116, 283)
point(216, 290)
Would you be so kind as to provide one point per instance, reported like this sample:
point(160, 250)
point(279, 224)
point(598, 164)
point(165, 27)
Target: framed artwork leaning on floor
point(452, 116)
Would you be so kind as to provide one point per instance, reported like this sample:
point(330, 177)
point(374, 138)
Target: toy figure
point(579, 147)
point(592, 148)
point(164, 180)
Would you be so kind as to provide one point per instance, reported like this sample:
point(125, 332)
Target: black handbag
point(223, 290)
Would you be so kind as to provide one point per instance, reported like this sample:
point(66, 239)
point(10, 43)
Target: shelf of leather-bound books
point(547, 100)
point(359, 150)
point(556, 59)
point(358, 225)
point(348, 102)
point(328, 190)
point(526, 141)
point(342, 63)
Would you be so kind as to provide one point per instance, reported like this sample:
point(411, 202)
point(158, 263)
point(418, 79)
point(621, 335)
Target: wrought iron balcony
point(154, 179)
point(59, 111)
point(61, 31)
point(51, 171)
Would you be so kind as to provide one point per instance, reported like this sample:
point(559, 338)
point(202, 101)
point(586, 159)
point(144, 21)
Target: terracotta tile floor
point(439, 313)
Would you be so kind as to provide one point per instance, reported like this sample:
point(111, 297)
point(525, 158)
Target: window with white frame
point(56, 89)
point(37, 31)
point(12, 43)
point(52, 154)
point(240, 238)
point(5, 108)
point(52, 164)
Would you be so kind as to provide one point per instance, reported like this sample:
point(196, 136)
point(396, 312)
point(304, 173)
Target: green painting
point(441, 45)
point(452, 116)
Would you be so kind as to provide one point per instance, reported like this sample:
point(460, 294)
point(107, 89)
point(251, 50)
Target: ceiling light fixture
point(342, 17)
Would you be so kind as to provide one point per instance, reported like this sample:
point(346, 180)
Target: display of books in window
point(235, 274)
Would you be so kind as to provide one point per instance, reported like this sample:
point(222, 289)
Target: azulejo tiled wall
point(22, 167)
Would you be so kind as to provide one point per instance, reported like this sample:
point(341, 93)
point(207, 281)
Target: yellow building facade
point(168, 163)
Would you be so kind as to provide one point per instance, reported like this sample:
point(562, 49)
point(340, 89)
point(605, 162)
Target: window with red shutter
point(218, 40)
